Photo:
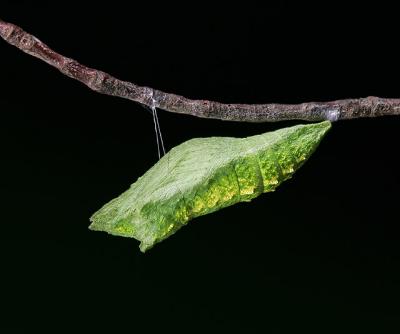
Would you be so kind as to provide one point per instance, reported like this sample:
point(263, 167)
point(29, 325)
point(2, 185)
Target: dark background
point(321, 254)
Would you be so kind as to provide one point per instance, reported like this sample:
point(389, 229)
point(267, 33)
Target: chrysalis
point(204, 175)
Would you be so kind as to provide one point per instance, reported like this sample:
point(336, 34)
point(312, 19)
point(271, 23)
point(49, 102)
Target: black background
point(321, 254)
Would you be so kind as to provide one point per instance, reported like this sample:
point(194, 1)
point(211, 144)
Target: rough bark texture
point(106, 84)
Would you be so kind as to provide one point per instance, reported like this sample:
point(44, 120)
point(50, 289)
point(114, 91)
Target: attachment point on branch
point(106, 84)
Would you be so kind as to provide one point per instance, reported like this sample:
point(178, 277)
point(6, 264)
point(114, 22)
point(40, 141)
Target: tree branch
point(104, 83)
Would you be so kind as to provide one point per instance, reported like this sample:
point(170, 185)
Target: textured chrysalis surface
point(204, 175)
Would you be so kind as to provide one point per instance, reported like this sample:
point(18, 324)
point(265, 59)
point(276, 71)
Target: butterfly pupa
point(203, 175)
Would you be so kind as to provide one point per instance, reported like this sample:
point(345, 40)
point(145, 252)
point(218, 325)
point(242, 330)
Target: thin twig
point(106, 84)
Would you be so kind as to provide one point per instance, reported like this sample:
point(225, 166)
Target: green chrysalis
point(204, 175)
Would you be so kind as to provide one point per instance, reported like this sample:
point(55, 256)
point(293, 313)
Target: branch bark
point(104, 83)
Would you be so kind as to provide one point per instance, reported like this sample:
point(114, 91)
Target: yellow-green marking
point(204, 175)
